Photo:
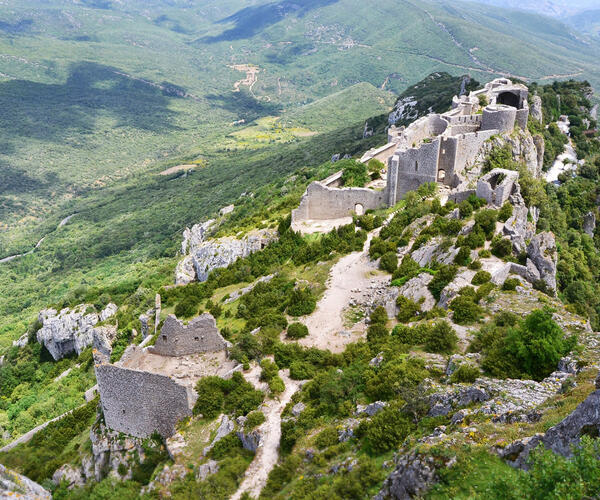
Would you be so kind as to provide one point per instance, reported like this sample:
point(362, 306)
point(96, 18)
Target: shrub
point(411, 336)
point(297, 331)
point(269, 371)
point(379, 316)
point(301, 370)
point(389, 262)
point(475, 239)
point(475, 265)
point(327, 437)
point(441, 279)
point(375, 165)
point(388, 429)
point(483, 291)
point(216, 395)
point(302, 302)
point(511, 284)
point(505, 212)
point(441, 338)
point(463, 256)
point(354, 173)
point(408, 269)
point(486, 219)
point(210, 397)
point(187, 308)
point(377, 333)
point(379, 247)
point(465, 209)
point(484, 254)
point(276, 385)
point(466, 311)
point(254, 419)
point(481, 277)
point(465, 373)
point(409, 309)
point(501, 247)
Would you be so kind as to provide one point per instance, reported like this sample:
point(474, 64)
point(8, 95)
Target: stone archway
point(509, 98)
point(359, 209)
point(441, 175)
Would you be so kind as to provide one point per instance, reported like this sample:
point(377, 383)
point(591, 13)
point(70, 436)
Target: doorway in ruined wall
point(508, 98)
point(359, 209)
point(441, 175)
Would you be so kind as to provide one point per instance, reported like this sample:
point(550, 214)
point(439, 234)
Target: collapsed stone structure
point(152, 388)
point(435, 148)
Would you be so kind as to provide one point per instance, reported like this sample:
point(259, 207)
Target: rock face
point(415, 289)
point(562, 437)
point(13, 485)
point(589, 224)
point(72, 329)
point(411, 478)
point(202, 255)
point(541, 261)
point(70, 475)
point(535, 111)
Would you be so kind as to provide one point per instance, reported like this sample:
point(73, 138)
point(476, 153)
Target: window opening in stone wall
point(416, 166)
point(164, 337)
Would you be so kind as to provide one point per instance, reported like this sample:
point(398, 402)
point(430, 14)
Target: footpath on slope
point(352, 274)
point(267, 453)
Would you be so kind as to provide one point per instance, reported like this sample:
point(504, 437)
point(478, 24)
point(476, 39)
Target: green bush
point(441, 338)
point(379, 247)
point(297, 331)
point(442, 278)
point(188, 307)
point(354, 173)
point(408, 309)
point(483, 291)
point(254, 419)
point(407, 269)
point(327, 437)
point(465, 309)
point(475, 239)
point(463, 256)
point(302, 302)
point(465, 373)
point(465, 208)
point(475, 265)
point(388, 429)
point(486, 219)
point(485, 254)
point(505, 212)
point(511, 284)
point(481, 277)
point(301, 370)
point(276, 385)
point(389, 262)
point(235, 396)
point(377, 333)
point(379, 316)
point(501, 247)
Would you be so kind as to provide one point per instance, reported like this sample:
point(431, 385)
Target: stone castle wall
point(199, 335)
point(499, 117)
point(140, 403)
point(414, 167)
point(321, 202)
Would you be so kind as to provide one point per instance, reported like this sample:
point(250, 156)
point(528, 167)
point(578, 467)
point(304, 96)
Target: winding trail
point(37, 245)
point(268, 451)
point(351, 275)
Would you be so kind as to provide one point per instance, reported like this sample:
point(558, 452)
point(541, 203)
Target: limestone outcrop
point(535, 110)
point(411, 478)
point(203, 256)
point(542, 256)
point(589, 224)
point(561, 438)
point(72, 330)
point(416, 290)
point(13, 485)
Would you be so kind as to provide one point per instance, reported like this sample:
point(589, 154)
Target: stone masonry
point(434, 148)
point(199, 335)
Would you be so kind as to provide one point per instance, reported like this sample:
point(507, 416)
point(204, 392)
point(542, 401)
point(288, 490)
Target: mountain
point(561, 9)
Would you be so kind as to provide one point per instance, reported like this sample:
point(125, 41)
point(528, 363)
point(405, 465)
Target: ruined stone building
point(152, 388)
point(435, 148)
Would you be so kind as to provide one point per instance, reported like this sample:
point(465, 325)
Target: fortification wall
point(424, 128)
point(447, 160)
point(522, 117)
point(414, 167)
point(468, 147)
point(497, 185)
point(499, 117)
point(323, 203)
point(199, 335)
point(139, 403)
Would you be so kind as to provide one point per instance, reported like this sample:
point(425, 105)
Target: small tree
point(441, 338)
point(389, 262)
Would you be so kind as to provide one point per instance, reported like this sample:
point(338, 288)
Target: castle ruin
point(435, 148)
point(152, 388)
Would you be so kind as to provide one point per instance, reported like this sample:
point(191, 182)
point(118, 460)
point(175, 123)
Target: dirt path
point(351, 275)
point(37, 245)
point(268, 452)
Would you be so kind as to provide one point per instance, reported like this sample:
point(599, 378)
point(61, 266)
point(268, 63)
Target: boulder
point(250, 440)
point(347, 430)
point(298, 409)
point(175, 445)
point(208, 469)
point(516, 228)
point(13, 485)
point(371, 409)
point(225, 428)
point(103, 338)
point(589, 224)
point(434, 250)
point(71, 475)
point(415, 289)
point(461, 280)
point(541, 263)
point(411, 478)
